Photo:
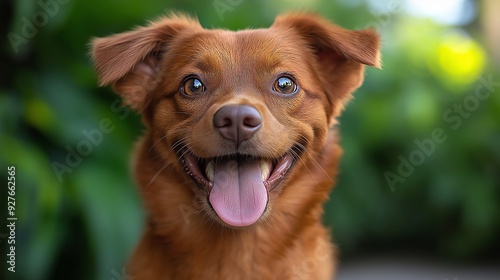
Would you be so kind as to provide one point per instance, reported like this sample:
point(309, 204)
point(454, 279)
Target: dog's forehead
point(222, 48)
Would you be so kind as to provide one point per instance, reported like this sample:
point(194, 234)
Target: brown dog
point(239, 154)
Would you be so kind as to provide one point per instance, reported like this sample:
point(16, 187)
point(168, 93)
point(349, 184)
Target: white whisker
point(159, 140)
point(157, 174)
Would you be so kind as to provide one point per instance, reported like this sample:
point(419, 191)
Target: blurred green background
point(437, 56)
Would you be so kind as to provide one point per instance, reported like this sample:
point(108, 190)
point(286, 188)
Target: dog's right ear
point(130, 60)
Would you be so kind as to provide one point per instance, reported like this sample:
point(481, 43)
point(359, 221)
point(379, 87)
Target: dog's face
point(237, 113)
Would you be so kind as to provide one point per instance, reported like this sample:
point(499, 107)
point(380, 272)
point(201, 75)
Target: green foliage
point(83, 225)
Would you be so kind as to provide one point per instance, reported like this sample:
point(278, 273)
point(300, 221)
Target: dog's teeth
point(210, 170)
point(265, 169)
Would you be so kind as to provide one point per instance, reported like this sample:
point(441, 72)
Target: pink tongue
point(238, 195)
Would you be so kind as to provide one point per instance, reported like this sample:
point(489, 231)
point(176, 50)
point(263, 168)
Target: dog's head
point(237, 112)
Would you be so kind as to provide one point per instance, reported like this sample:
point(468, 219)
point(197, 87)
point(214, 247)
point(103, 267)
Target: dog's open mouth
point(237, 185)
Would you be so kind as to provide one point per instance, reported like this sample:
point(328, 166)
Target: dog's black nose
point(237, 122)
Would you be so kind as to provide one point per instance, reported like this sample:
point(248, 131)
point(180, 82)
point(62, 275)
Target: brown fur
point(184, 238)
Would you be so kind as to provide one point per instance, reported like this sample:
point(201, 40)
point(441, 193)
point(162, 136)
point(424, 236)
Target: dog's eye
point(193, 86)
point(285, 85)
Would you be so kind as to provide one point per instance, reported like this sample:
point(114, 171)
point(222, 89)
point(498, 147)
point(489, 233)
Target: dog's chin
point(237, 186)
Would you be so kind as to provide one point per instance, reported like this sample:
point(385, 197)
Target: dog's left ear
point(339, 54)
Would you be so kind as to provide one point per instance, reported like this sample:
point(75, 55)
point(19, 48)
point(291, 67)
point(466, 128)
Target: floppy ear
point(339, 54)
point(131, 60)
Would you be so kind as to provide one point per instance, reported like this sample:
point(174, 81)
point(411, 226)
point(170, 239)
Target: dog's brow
point(203, 66)
point(208, 62)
